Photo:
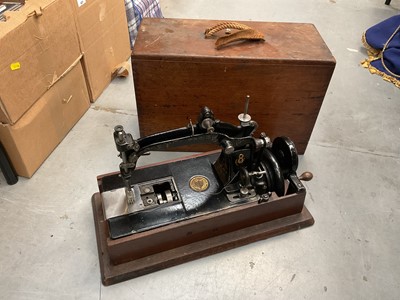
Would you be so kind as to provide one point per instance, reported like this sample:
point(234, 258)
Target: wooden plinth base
point(111, 273)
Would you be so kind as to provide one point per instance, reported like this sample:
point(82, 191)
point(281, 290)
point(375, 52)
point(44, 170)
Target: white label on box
point(80, 2)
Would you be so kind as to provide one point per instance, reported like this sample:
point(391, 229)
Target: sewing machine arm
point(246, 166)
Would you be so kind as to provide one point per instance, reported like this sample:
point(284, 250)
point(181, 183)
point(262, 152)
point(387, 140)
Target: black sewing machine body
point(189, 187)
point(151, 211)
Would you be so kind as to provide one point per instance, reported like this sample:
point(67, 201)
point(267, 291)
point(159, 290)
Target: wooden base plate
point(112, 274)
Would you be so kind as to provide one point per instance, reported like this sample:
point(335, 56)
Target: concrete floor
point(48, 247)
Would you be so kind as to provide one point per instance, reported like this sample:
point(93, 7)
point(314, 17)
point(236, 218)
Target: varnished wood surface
point(183, 39)
point(177, 72)
point(111, 273)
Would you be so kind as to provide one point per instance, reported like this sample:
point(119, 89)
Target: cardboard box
point(38, 44)
point(31, 140)
point(104, 40)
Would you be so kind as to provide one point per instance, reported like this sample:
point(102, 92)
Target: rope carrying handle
point(244, 33)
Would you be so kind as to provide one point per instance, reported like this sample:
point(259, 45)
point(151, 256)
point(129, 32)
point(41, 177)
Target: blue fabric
point(136, 10)
point(391, 58)
point(387, 60)
point(378, 34)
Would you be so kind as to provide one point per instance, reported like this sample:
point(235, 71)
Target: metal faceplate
point(148, 195)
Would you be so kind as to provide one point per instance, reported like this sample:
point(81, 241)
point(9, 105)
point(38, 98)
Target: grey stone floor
point(48, 247)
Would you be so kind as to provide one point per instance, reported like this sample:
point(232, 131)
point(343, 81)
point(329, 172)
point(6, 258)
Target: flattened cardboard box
point(37, 45)
point(32, 139)
point(104, 40)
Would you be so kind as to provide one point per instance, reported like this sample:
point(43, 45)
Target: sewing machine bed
point(198, 229)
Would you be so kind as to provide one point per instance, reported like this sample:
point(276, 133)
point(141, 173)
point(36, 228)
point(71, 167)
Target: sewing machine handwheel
point(286, 154)
point(273, 166)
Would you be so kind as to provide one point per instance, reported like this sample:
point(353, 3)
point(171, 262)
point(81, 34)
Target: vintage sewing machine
point(161, 215)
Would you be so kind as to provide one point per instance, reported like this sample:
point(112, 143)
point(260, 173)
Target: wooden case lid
point(183, 40)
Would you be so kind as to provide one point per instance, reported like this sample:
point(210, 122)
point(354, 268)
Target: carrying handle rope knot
point(244, 33)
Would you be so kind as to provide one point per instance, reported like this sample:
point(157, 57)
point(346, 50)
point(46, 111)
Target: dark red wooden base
point(113, 273)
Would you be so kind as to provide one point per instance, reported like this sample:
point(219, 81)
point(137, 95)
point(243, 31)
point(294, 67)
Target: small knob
point(228, 147)
point(118, 128)
point(208, 125)
point(306, 176)
point(119, 133)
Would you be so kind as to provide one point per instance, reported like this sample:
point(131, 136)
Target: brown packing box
point(31, 140)
point(104, 40)
point(177, 71)
point(38, 44)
